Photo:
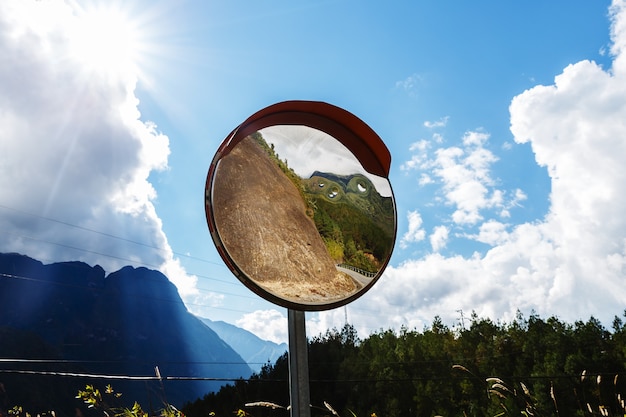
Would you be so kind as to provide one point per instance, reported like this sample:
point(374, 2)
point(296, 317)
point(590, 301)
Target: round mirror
point(299, 205)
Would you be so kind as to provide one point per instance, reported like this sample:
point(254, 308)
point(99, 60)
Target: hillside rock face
point(123, 324)
point(262, 221)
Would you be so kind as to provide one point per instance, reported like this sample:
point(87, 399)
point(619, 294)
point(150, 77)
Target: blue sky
point(505, 122)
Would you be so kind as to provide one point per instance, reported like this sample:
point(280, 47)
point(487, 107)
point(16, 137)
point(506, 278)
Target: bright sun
point(106, 41)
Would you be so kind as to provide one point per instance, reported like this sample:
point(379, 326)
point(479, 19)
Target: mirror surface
point(300, 219)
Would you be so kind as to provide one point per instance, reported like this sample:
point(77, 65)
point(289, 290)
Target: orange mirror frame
point(365, 145)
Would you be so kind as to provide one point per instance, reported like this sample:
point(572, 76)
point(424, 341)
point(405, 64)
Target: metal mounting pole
point(298, 365)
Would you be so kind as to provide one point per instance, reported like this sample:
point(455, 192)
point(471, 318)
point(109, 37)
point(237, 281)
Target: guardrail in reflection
point(357, 270)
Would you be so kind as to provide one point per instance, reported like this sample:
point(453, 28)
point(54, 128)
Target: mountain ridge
point(125, 323)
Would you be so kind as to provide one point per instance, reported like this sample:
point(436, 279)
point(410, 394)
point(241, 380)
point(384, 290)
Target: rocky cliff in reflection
point(262, 219)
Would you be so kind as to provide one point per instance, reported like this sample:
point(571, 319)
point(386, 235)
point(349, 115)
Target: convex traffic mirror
point(300, 207)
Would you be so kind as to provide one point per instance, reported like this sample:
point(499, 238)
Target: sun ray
point(109, 39)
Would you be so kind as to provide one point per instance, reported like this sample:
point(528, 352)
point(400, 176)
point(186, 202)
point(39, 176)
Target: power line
point(76, 248)
point(363, 312)
point(124, 377)
point(141, 295)
point(118, 362)
point(106, 255)
point(370, 313)
point(438, 377)
point(107, 235)
point(131, 261)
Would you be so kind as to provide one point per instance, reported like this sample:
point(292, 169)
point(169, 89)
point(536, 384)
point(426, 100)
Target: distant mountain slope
point(254, 350)
point(123, 324)
point(355, 190)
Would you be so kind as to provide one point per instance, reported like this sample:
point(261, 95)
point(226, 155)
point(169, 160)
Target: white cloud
point(572, 264)
point(421, 146)
point(466, 180)
point(410, 84)
point(75, 156)
point(491, 232)
point(425, 179)
point(475, 138)
point(436, 124)
point(465, 175)
point(439, 238)
point(413, 163)
point(618, 35)
point(419, 157)
point(518, 196)
point(415, 233)
point(267, 324)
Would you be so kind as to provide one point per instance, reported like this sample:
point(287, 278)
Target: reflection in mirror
point(300, 217)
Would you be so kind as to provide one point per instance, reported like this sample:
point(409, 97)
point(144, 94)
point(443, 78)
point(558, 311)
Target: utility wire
point(124, 377)
point(141, 295)
point(117, 362)
point(439, 377)
point(131, 261)
point(106, 255)
point(363, 312)
point(107, 234)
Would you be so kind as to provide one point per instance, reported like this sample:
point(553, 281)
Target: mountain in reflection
point(355, 221)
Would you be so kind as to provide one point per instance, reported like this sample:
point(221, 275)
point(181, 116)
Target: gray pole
point(298, 365)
